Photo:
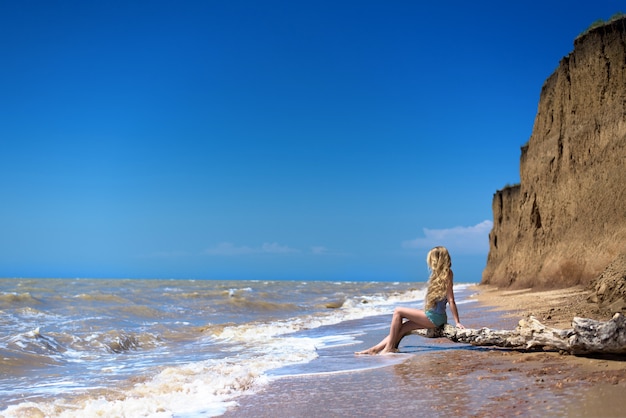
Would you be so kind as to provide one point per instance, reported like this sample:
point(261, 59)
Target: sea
point(181, 348)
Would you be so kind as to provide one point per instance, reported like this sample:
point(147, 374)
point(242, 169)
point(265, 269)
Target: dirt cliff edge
point(566, 220)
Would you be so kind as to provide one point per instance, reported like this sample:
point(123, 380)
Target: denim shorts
point(437, 319)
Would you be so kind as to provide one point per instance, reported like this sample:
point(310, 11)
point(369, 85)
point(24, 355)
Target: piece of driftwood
point(587, 336)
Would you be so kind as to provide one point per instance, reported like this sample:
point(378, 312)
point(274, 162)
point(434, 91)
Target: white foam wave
point(352, 308)
point(208, 387)
point(238, 291)
point(204, 388)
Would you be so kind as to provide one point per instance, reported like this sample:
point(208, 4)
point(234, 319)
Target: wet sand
point(461, 380)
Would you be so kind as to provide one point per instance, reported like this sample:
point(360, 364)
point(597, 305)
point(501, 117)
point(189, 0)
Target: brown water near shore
point(457, 380)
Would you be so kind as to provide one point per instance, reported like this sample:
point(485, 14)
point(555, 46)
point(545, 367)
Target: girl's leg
point(405, 329)
point(417, 319)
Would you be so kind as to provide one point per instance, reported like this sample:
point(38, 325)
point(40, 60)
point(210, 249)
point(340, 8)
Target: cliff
point(566, 220)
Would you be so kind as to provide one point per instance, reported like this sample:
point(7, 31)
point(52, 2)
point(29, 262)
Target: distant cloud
point(275, 248)
point(319, 250)
point(229, 249)
point(459, 239)
point(165, 254)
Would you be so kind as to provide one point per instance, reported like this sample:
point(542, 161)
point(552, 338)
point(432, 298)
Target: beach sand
point(461, 380)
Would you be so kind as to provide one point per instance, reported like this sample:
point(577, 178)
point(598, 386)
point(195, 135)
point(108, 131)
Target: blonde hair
point(439, 263)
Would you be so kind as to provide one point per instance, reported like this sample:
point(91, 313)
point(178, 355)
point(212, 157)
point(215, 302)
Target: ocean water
point(180, 348)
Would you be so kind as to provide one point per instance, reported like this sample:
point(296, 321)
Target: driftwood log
point(587, 336)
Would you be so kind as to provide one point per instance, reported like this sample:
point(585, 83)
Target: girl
point(439, 294)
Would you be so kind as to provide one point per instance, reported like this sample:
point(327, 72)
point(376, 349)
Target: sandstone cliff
point(566, 220)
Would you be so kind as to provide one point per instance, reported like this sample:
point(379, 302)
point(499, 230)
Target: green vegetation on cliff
point(602, 22)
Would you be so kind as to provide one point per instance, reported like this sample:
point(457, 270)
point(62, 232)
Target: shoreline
point(462, 380)
point(601, 380)
point(555, 308)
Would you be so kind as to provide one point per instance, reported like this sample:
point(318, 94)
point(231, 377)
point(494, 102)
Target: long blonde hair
point(439, 263)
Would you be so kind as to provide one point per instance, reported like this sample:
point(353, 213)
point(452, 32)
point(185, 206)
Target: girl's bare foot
point(369, 351)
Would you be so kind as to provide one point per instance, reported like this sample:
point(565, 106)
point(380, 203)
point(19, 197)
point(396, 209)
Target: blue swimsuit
point(437, 314)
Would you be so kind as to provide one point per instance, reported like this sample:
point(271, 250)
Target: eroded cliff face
point(566, 221)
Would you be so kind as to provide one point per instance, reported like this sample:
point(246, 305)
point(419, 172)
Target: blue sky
point(330, 140)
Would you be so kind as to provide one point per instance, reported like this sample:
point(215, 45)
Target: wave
point(261, 305)
point(350, 309)
point(250, 352)
point(114, 342)
point(208, 294)
point(34, 342)
point(67, 347)
point(18, 298)
point(120, 342)
point(142, 311)
point(28, 311)
point(333, 304)
point(238, 292)
point(101, 297)
point(204, 388)
point(175, 387)
point(204, 374)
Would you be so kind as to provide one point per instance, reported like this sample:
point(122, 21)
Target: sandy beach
point(460, 380)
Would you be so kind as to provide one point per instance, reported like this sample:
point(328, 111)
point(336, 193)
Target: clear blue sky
point(265, 139)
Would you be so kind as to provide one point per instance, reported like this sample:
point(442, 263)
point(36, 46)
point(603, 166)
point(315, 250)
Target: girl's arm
point(450, 295)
